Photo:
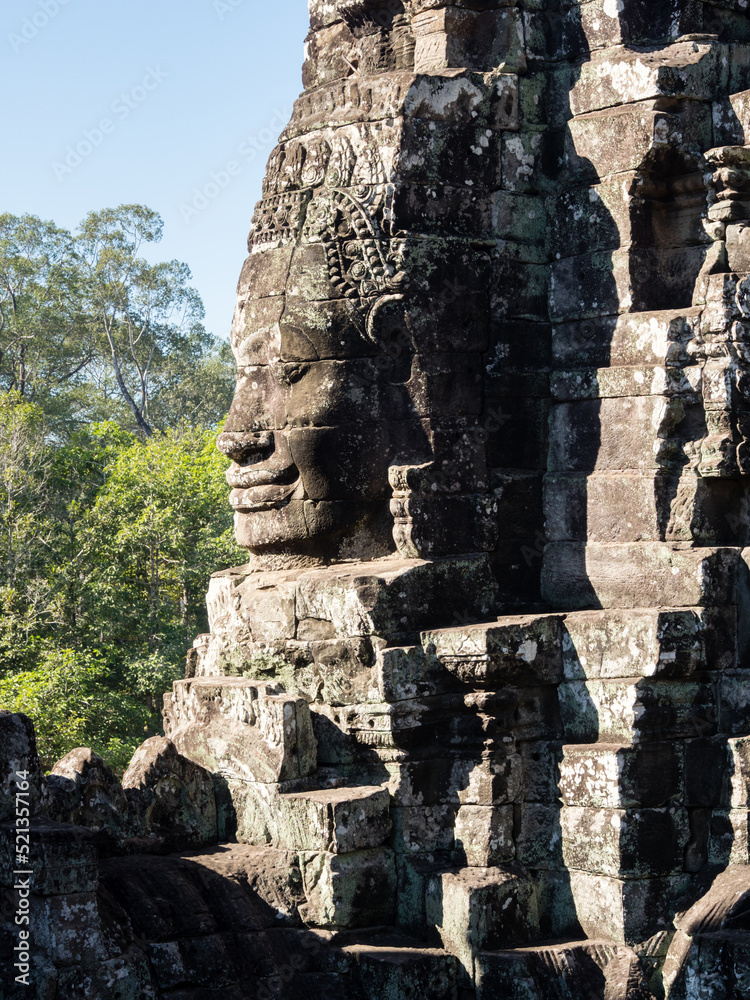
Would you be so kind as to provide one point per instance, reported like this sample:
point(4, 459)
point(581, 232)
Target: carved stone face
point(320, 409)
point(333, 390)
point(358, 335)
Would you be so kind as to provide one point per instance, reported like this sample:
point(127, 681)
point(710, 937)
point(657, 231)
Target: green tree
point(92, 331)
point(72, 702)
point(157, 529)
point(146, 318)
point(113, 498)
point(45, 341)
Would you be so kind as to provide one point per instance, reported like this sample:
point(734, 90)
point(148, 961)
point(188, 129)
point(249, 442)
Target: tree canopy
point(91, 330)
point(113, 499)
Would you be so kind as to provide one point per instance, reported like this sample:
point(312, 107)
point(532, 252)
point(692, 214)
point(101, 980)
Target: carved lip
point(250, 477)
point(269, 497)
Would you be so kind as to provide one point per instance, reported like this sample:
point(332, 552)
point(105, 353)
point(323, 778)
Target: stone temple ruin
point(474, 721)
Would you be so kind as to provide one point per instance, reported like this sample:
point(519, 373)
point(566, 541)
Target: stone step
point(657, 642)
point(520, 650)
point(343, 601)
point(628, 911)
point(349, 890)
point(397, 967)
point(242, 729)
point(335, 820)
point(478, 909)
point(577, 970)
point(632, 710)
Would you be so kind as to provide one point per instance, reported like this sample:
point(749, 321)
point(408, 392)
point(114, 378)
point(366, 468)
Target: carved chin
point(275, 528)
point(305, 530)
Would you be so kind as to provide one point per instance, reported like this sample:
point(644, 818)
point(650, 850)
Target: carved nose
point(237, 445)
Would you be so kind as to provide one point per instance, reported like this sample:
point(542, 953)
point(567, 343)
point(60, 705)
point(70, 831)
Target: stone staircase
point(522, 809)
point(536, 778)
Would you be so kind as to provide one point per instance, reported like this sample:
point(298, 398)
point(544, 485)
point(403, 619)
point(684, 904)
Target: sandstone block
point(562, 971)
point(437, 97)
point(637, 710)
point(515, 650)
point(404, 973)
point(341, 672)
point(650, 338)
point(589, 219)
point(349, 890)
point(682, 70)
point(625, 911)
point(334, 820)
point(20, 773)
point(523, 156)
point(519, 290)
point(619, 139)
point(169, 797)
point(68, 928)
point(482, 40)
point(486, 779)
point(476, 910)
point(738, 247)
point(740, 771)
point(242, 729)
point(735, 703)
point(62, 859)
point(708, 773)
point(701, 510)
point(539, 840)
point(558, 920)
point(414, 873)
point(490, 781)
point(408, 672)
point(650, 643)
point(620, 776)
point(423, 829)
point(633, 843)
point(372, 598)
point(484, 836)
point(608, 435)
point(434, 152)
point(433, 526)
point(122, 978)
point(540, 764)
point(83, 790)
point(729, 840)
point(650, 574)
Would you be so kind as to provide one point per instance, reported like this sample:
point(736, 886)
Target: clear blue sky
point(183, 87)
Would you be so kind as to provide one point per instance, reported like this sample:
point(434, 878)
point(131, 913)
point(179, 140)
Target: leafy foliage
point(113, 499)
point(91, 330)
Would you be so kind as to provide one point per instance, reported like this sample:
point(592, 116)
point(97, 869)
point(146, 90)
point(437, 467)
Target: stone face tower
point(474, 721)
